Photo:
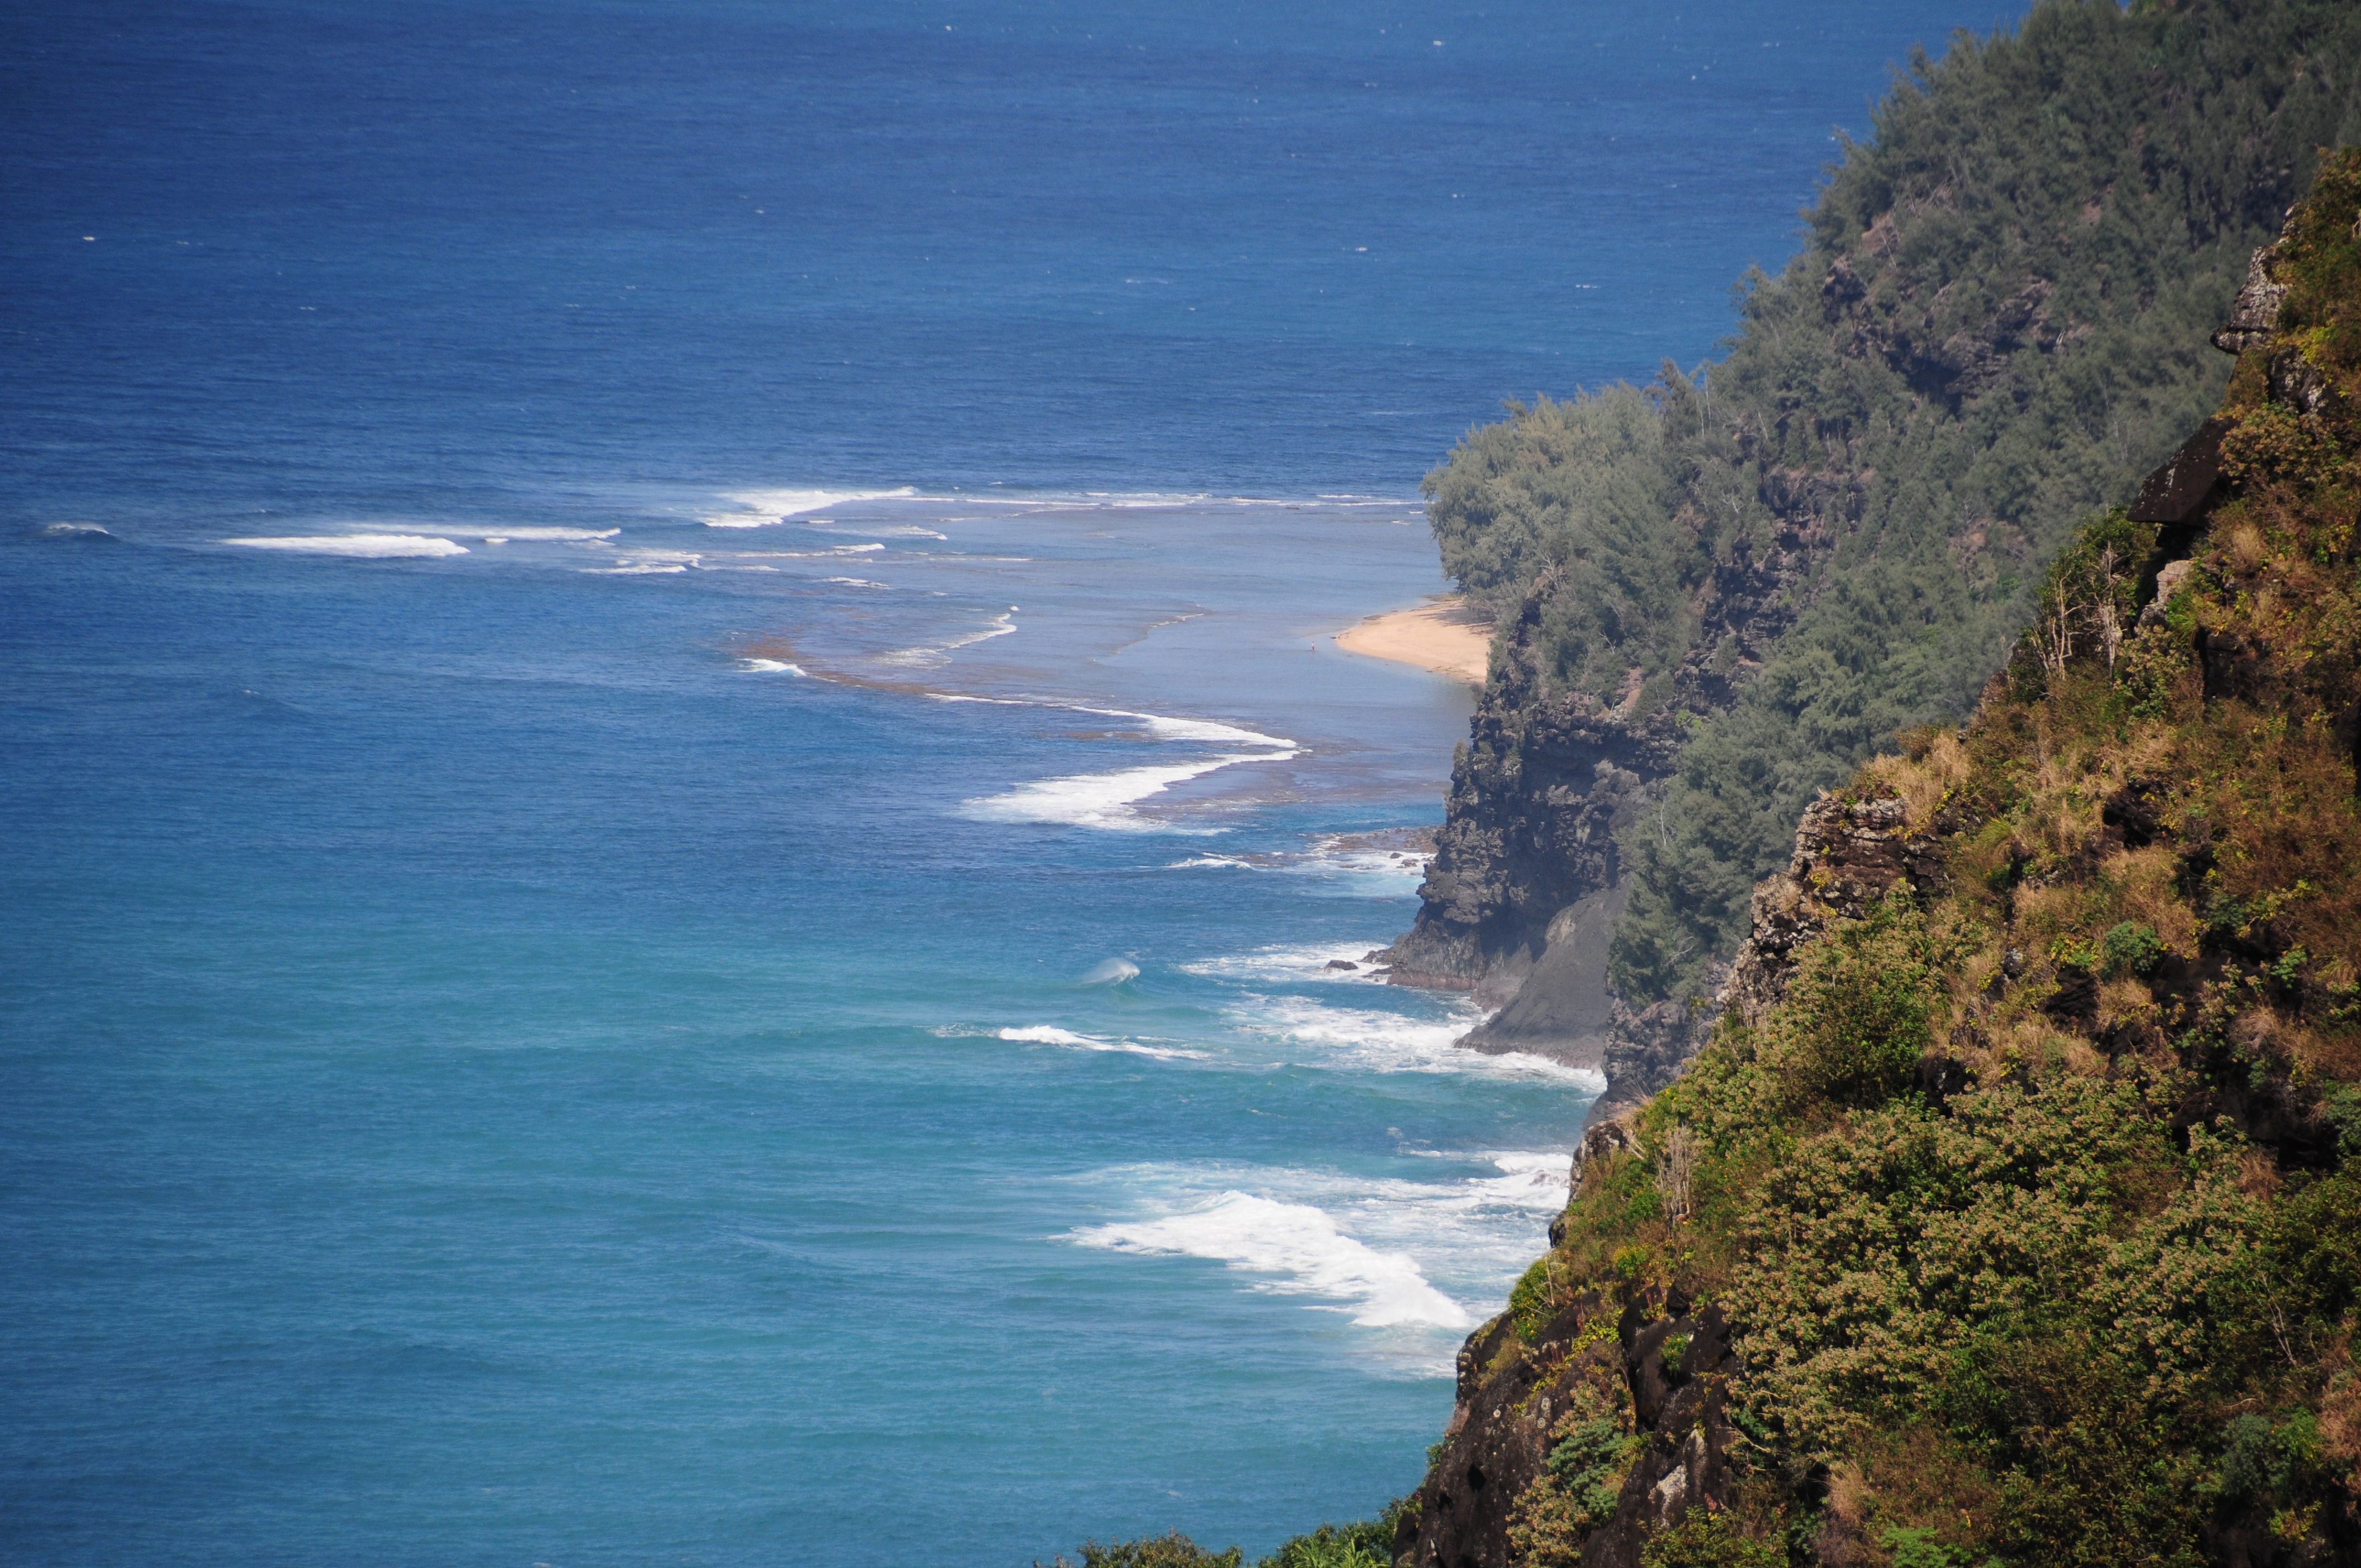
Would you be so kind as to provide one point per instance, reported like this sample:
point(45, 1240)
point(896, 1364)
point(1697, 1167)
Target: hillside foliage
point(1996, 323)
point(2034, 1202)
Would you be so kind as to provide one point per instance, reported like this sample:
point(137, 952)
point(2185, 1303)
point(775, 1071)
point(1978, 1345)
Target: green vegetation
point(1367, 1544)
point(1172, 1550)
point(2034, 1204)
point(1997, 324)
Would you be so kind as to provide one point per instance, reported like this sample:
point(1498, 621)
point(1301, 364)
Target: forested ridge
point(2013, 1214)
point(1997, 321)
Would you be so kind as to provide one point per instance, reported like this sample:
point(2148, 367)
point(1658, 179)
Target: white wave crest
point(1527, 1179)
point(75, 531)
point(759, 508)
point(770, 667)
point(1049, 1034)
point(1164, 728)
point(1110, 971)
point(504, 536)
point(1284, 963)
point(885, 531)
point(941, 653)
point(1104, 801)
point(372, 546)
point(1373, 1041)
point(1299, 1246)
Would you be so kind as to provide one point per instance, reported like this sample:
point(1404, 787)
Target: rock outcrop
point(1664, 1361)
point(1548, 778)
point(1536, 798)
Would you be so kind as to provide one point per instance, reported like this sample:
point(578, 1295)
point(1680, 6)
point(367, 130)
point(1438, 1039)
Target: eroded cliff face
point(1602, 1409)
point(1548, 778)
point(1642, 1395)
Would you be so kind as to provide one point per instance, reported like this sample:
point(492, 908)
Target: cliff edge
point(2009, 1214)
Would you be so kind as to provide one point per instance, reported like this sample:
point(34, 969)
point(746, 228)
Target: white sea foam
point(75, 531)
point(1527, 1179)
point(1284, 963)
point(1301, 1251)
point(1204, 730)
point(504, 536)
point(1211, 862)
point(1110, 971)
point(1346, 868)
point(885, 531)
point(939, 653)
point(373, 546)
point(1103, 800)
point(856, 582)
point(1049, 1034)
point(1448, 1239)
point(1002, 625)
point(758, 509)
point(1371, 1041)
point(770, 667)
point(638, 569)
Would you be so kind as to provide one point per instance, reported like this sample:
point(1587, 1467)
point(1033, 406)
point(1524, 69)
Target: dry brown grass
point(2144, 893)
point(2242, 546)
point(1939, 765)
point(1919, 1479)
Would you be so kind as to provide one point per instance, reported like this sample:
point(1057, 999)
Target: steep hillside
point(2013, 1212)
point(1721, 595)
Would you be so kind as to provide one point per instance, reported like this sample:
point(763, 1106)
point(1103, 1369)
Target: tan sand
point(1443, 635)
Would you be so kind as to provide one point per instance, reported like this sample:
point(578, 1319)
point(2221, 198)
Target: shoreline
point(1442, 636)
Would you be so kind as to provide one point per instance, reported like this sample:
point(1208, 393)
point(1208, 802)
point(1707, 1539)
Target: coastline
point(1441, 635)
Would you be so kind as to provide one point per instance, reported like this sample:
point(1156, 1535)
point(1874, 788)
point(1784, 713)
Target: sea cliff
point(1720, 593)
point(2009, 1214)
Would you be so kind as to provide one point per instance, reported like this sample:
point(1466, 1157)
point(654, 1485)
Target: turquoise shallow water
point(778, 1013)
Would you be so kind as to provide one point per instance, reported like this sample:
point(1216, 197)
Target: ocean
point(676, 793)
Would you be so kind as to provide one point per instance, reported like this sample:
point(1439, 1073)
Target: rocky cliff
point(2009, 1213)
point(1831, 535)
point(1527, 857)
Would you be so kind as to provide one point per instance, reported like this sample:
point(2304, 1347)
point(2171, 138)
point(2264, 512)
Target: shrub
point(1368, 1544)
point(1861, 1022)
point(1590, 1463)
point(1172, 1550)
point(1924, 1549)
point(2130, 949)
point(1709, 1539)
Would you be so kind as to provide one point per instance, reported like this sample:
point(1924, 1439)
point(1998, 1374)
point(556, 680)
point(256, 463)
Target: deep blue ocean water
point(675, 787)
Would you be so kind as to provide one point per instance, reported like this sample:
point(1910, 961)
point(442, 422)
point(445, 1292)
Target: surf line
point(1105, 800)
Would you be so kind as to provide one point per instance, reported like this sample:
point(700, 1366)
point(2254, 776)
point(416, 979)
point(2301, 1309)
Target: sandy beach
point(1443, 635)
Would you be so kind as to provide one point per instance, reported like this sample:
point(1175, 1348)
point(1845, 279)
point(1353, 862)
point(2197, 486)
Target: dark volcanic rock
point(2189, 481)
point(1548, 777)
point(1510, 1393)
point(1562, 1008)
